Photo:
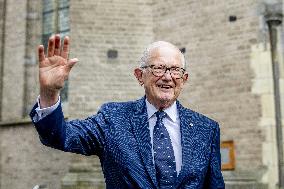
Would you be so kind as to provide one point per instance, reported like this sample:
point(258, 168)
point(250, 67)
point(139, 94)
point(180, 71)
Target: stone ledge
point(246, 186)
point(19, 122)
point(244, 179)
point(16, 122)
point(243, 176)
point(83, 181)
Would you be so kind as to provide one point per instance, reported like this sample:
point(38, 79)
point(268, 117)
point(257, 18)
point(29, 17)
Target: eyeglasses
point(160, 70)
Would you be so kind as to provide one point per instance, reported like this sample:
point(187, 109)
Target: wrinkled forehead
point(166, 54)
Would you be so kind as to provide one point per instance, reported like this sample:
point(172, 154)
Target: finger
point(71, 63)
point(65, 49)
point(51, 46)
point(57, 45)
point(41, 55)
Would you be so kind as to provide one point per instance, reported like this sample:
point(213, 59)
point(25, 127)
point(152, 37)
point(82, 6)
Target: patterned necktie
point(163, 154)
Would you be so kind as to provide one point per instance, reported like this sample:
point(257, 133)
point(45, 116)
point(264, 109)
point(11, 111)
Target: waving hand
point(54, 69)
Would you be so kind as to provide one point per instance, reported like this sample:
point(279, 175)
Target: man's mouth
point(165, 86)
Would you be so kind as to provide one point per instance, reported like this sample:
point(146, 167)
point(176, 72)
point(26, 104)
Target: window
point(56, 20)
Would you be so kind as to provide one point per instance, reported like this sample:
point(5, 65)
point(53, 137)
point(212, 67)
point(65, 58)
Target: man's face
point(162, 91)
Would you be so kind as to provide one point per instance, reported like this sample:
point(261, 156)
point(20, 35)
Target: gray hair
point(147, 53)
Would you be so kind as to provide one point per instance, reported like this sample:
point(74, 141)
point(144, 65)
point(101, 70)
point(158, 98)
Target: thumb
point(71, 63)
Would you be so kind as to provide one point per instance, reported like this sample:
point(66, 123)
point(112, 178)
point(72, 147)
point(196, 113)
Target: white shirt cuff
point(43, 112)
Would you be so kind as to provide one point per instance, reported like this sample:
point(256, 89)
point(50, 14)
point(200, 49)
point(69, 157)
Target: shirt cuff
point(43, 112)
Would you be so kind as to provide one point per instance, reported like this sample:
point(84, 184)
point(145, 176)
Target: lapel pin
point(190, 124)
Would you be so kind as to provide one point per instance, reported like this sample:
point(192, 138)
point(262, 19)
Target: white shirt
point(171, 122)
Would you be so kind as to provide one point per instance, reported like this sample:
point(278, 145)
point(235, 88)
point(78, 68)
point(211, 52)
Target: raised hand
point(53, 69)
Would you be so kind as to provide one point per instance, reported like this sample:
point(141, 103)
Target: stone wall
point(25, 162)
point(2, 29)
point(96, 28)
point(230, 78)
point(33, 39)
point(13, 59)
point(218, 52)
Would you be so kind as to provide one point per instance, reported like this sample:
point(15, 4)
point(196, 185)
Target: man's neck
point(161, 105)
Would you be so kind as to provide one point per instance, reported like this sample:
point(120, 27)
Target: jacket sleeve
point(214, 178)
point(78, 136)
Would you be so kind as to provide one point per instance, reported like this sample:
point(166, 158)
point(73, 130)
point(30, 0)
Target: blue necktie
point(163, 154)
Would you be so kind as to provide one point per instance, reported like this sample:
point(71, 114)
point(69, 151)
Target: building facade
point(230, 63)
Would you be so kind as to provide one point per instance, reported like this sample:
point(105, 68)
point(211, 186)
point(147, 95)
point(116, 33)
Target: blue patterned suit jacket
point(119, 135)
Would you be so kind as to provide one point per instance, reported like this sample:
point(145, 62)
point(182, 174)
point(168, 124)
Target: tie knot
point(160, 115)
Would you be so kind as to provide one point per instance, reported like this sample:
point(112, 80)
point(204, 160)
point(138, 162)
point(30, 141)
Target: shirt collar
point(171, 111)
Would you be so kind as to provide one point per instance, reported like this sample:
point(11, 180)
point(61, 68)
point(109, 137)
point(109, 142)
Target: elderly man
point(153, 142)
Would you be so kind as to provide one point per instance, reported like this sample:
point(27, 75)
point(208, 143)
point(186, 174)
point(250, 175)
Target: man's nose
point(167, 75)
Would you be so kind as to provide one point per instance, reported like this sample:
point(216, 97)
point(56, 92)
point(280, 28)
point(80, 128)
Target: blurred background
point(234, 51)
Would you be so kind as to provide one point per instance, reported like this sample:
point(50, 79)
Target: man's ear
point(138, 74)
point(185, 77)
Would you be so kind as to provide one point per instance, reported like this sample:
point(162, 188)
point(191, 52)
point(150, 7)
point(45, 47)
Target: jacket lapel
point(141, 131)
point(187, 127)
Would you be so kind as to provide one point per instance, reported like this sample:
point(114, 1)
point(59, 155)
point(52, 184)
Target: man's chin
point(166, 101)
point(166, 97)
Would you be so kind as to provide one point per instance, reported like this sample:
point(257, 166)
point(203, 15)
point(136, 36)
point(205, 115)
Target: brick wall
point(25, 162)
point(218, 52)
point(14, 59)
point(33, 39)
point(99, 26)
point(2, 14)
point(222, 82)
point(21, 30)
